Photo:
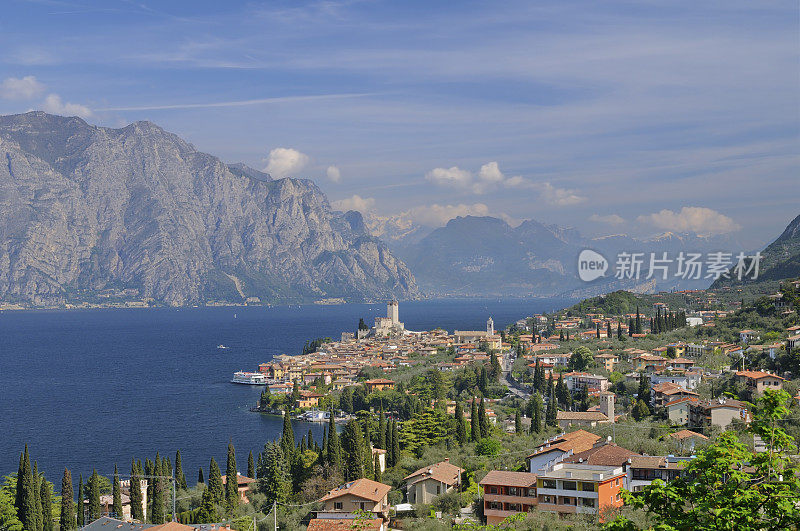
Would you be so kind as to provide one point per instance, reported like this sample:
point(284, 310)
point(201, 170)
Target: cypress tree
point(461, 428)
point(251, 467)
point(619, 330)
point(517, 422)
point(180, 478)
point(395, 444)
point(137, 510)
point(81, 506)
point(303, 445)
point(325, 444)
point(474, 427)
point(353, 446)
point(382, 429)
point(37, 496)
point(215, 482)
point(18, 499)
point(157, 508)
point(552, 408)
point(608, 330)
point(369, 463)
point(200, 478)
point(47, 505)
point(207, 512)
point(149, 471)
point(377, 467)
point(94, 496)
point(231, 480)
point(67, 518)
point(334, 446)
point(536, 417)
point(117, 494)
point(638, 321)
point(287, 437)
point(483, 420)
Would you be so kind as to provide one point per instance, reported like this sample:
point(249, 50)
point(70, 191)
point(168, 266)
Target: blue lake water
point(90, 388)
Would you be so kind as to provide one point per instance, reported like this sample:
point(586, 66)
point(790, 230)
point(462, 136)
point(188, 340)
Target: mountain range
point(92, 211)
point(485, 256)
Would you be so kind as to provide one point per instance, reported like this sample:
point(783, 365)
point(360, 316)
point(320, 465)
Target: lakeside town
point(586, 418)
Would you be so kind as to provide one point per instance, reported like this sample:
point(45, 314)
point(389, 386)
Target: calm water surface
point(90, 388)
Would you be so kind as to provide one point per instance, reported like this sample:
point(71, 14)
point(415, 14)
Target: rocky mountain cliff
point(139, 213)
point(779, 260)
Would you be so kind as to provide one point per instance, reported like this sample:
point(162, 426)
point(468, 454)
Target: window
point(587, 487)
point(491, 490)
point(570, 501)
point(438, 490)
point(512, 491)
point(546, 499)
point(549, 483)
point(337, 506)
point(514, 507)
point(569, 485)
point(362, 506)
point(532, 492)
point(497, 506)
point(587, 502)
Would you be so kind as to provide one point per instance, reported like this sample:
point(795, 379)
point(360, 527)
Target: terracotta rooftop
point(361, 488)
point(757, 375)
point(581, 415)
point(577, 441)
point(606, 455)
point(509, 479)
point(686, 434)
point(443, 471)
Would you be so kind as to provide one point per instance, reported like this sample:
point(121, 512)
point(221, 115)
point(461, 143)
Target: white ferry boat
point(249, 378)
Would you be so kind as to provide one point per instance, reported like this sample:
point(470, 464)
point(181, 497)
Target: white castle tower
point(490, 327)
point(393, 312)
point(607, 405)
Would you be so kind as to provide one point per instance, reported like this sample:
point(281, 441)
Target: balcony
point(570, 493)
point(505, 498)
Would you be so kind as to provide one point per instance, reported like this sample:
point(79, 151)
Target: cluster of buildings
point(386, 346)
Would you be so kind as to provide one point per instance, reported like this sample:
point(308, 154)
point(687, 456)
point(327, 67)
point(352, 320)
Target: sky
point(634, 117)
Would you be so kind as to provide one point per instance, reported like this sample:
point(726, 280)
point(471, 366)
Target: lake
point(90, 388)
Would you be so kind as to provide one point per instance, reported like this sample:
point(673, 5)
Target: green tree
point(81, 506)
point(640, 410)
point(551, 414)
point(94, 496)
point(395, 444)
point(581, 359)
point(287, 436)
point(67, 518)
point(483, 420)
point(215, 482)
point(334, 450)
point(382, 429)
point(461, 427)
point(37, 496)
point(475, 429)
point(389, 445)
point(536, 413)
point(644, 389)
point(251, 467)
point(9, 521)
point(117, 494)
point(728, 486)
point(180, 478)
point(207, 512)
point(353, 446)
point(274, 480)
point(517, 422)
point(157, 509)
point(137, 511)
point(46, 494)
point(231, 481)
point(200, 477)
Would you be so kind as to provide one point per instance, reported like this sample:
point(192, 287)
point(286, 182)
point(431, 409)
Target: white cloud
point(560, 196)
point(334, 174)
point(26, 88)
point(453, 176)
point(700, 220)
point(282, 162)
point(356, 202)
point(437, 215)
point(611, 219)
point(54, 105)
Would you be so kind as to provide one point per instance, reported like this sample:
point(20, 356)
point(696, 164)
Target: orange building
point(378, 384)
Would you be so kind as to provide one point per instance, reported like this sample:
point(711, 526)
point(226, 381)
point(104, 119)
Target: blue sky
point(635, 117)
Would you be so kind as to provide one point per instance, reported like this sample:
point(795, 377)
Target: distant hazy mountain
point(89, 210)
point(780, 260)
point(485, 256)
